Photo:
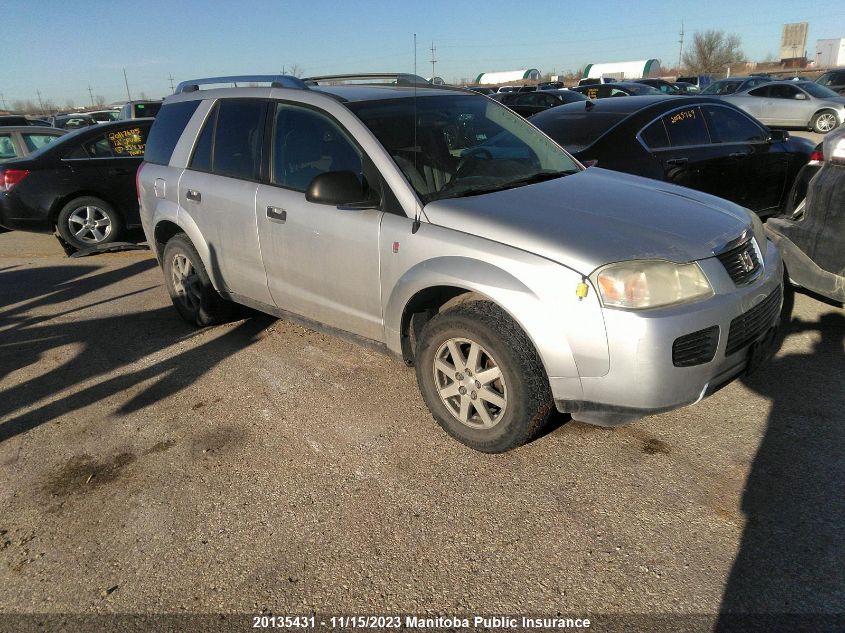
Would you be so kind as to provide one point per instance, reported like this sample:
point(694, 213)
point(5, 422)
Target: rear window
point(577, 130)
point(146, 109)
point(168, 127)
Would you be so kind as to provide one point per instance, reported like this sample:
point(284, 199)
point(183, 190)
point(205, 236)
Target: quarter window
point(654, 136)
point(37, 141)
point(307, 144)
point(7, 147)
point(686, 127)
point(170, 123)
point(729, 126)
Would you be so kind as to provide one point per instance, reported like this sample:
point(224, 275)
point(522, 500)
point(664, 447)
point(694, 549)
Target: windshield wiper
point(512, 184)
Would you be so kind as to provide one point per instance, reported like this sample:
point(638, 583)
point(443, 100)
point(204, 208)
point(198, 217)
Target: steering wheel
point(477, 153)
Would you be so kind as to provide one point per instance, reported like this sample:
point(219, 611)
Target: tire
point(88, 221)
point(824, 121)
point(514, 391)
point(189, 286)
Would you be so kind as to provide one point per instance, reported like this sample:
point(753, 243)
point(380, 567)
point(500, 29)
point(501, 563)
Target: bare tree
point(100, 100)
point(296, 70)
point(712, 51)
point(70, 104)
point(49, 106)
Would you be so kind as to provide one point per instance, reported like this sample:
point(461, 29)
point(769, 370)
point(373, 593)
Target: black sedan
point(82, 184)
point(528, 103)
point(616, 89)
point(697, 142)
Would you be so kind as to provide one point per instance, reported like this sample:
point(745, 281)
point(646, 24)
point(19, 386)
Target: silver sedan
point(793, 104)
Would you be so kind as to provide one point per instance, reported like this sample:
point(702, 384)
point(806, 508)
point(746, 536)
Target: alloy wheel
point(186, 282)
point(90, 224)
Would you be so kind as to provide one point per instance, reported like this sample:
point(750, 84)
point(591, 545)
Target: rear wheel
point(824, 121)
point(481, 377)
point(189, 286)
point(88, 221)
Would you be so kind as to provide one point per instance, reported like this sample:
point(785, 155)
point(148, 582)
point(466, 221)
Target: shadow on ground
point(93, 357)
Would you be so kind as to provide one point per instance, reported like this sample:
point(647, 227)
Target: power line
point(3, 99)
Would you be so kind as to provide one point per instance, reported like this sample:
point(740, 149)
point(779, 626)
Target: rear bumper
point(17, 217)
point(802, 270)
point(643, 378)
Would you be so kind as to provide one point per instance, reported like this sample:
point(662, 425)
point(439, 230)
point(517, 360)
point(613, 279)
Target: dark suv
point(833, 79)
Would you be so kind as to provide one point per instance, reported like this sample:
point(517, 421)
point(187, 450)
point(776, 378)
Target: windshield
point(462, 144)
point(820, 92)
point(721, 88)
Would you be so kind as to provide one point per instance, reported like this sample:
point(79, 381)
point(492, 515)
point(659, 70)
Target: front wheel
point(189, 286)
point(823, 122)
point(481, 377)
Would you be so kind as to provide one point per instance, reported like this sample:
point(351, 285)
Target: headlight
point(759, 233)
point(644, 284)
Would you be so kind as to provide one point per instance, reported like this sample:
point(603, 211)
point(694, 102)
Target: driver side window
point(306, 144)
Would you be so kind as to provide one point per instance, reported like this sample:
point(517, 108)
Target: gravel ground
point(148, 467)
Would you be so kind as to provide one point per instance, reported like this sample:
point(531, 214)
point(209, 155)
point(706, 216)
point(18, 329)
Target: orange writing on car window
point(127, 142)
point(682, 116)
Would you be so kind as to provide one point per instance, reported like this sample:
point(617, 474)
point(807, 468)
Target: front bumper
point(643, 379)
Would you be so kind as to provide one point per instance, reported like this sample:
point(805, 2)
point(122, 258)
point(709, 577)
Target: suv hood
point(596, 217)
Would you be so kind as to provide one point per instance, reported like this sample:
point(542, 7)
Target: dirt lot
point(150, 467)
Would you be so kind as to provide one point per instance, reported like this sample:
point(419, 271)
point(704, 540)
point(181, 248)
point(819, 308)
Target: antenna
point(681, 42)
point(416, 225)
point(433, 61)
point(126, 81)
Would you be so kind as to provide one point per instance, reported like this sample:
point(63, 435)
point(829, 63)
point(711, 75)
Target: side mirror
point(778, 136)
point(337, 188)
point(800, 96)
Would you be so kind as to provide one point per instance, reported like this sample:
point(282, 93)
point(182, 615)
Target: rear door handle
point(677, 161)
point(739, 155)
point(277, 214)
point(120, 171)
point(194, 195)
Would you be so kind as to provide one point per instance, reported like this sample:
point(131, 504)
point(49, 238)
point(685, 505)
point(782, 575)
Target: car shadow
point(791, 560)
point(95, 358)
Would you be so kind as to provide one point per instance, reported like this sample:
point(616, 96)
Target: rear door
point(785, 105)
point(322, 261)
point(218, 191)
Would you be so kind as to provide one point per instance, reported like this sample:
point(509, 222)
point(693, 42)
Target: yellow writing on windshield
point(127, 142)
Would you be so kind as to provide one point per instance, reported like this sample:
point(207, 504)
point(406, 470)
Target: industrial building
point(830, 53)
point(642, 69)
point(507, 76)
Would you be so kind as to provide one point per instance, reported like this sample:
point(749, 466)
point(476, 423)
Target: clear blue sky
point(60, 47)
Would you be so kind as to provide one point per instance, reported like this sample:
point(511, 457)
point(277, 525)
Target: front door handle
point(277, 214)
point(738, 155)
point(677, 161)
point(194, 195)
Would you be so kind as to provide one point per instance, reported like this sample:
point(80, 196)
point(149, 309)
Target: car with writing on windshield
point(697, 142)
point(616, 89)
point(530, 103)
point(801, 104)
point(441, 227)
point(81, 186)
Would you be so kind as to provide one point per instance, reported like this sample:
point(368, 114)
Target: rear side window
point(7, 147)
point(34, 141)
point(124, 143)
point(168, 127)
point(686, 127)
point(654, 136)
point(759, 92)
point(232, 139)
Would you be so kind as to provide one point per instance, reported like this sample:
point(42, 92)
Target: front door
point(322, 261)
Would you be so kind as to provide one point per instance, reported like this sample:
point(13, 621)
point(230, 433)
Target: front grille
point(749, 326)
point(741, 262)
point(696, 348)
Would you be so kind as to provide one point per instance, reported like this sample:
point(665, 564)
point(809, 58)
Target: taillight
point(10, 177)
point(816, 156)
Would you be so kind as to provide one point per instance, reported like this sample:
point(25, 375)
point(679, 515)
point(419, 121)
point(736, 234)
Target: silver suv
point(441, 226)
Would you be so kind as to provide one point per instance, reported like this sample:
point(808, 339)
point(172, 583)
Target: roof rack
point(401, 79)
point(275, 81)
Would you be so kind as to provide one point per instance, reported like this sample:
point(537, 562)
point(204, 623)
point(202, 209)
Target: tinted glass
point(36, 141)
point(121, 143)
point(7, 147)
point(721, 88)
point(307, 144)
point(238, 138)
point(782, 91)
point(820, 92)
point(576, 130)
point(168, 127)
point(759, 92)
point(146, 109)
point(730, 126)
point(686, 127)
point(654, 136)
point(201, 159)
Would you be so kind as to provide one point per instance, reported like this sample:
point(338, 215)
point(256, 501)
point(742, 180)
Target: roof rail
point(275, 81)
point(406, 79)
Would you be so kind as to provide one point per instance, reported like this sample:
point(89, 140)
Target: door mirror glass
point(335, 188)
point(778, 136)
point(800, 95)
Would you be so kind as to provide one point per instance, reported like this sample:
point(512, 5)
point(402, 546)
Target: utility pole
point(681, 42)
point(3, 99)
point(170, 77)
point(40, 103)
point(126, 81)
point(91, 94)
point(433, 61)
